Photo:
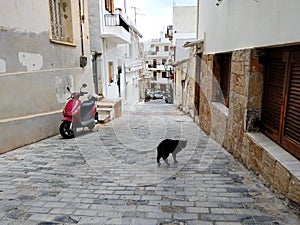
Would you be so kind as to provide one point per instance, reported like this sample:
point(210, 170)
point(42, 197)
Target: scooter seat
point(87, 105)
point(86, 108)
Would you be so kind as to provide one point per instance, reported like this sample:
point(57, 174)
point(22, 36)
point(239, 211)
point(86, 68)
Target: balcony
point(153, 54)
point(116, 29)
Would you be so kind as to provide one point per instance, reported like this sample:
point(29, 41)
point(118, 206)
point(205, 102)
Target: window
point(154, 75)
point(281, 98)
point(110, 72)
point(166, 48)
point(109, 6)
point(156, 48)
point(164, 75)
point(61, 21)
point(154, 63)
point(163, 61)
point(222, 71)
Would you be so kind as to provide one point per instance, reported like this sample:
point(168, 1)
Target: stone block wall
point(238, 100)
point(243, 116)
point(206, 93)
point(274, 172)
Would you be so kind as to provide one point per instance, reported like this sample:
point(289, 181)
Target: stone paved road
point(109, 176)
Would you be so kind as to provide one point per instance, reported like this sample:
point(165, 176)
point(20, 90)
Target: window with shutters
point(154, 63)
point(281, 99)
point(222, 71)
point(197, 83)
point(61, 21)
point(154, 75)
point(109, 6)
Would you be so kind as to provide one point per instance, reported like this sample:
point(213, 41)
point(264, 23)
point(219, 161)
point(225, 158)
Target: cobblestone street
point(110, 176)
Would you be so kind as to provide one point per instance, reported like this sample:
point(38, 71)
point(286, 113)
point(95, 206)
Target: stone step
point(102, 118)
point(104, 111)
point(104, 104)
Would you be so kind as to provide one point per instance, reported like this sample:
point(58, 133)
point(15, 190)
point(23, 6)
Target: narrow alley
point(110, 176)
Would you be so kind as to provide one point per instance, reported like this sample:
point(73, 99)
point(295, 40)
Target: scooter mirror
point(84, 85)
point(68, 89)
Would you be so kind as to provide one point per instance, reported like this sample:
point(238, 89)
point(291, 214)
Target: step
point(105, 105)
point(103, 118)
point(104, 111)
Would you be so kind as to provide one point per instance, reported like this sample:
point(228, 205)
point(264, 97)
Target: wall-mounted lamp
point(83, 61)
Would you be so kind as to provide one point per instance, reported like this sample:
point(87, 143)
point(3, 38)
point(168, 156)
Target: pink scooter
point(78, 114)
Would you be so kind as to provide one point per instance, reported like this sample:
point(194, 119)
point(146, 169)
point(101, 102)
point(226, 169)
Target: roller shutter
point(273, 95)
point(291, 134)
point(281, 100)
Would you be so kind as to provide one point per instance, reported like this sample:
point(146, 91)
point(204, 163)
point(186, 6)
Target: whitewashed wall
point(184, 19)
point(34, 72)
point(239, 24)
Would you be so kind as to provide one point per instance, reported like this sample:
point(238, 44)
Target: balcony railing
point(115, 20)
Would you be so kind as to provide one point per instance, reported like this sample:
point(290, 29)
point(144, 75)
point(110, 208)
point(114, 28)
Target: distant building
point(157, 63)
point(116, 52)
point(184, 30)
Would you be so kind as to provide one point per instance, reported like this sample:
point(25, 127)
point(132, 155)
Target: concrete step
point(104, 118)
point(105, 111)
point(103, 104)
point(108, 109)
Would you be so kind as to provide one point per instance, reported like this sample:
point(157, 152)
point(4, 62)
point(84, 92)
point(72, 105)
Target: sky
point(152, 16)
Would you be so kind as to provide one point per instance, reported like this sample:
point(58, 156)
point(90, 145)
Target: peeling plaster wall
point(18, 48)
point(34, 72)
point(22, 15)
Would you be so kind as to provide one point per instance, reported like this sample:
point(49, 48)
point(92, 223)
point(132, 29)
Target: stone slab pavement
point(110, 176)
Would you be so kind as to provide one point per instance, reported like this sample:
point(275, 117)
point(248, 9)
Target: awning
point(198, 43)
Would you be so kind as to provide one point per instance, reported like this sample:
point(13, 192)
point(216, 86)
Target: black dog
point(168, 146)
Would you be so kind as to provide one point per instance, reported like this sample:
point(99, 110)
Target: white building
point(115, 50)
point(184, 30)
point(44, 48)
point(156, 59)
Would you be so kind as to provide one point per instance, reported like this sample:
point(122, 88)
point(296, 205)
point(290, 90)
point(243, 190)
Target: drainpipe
point(198, 18)
point(83, 58)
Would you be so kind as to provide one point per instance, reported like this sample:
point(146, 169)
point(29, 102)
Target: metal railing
point(115, 20)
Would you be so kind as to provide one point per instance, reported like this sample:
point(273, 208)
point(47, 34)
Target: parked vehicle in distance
point(158, 95)
point(168, 98)
point(151, 94)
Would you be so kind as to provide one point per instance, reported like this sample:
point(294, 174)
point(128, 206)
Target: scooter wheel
point(65, 130)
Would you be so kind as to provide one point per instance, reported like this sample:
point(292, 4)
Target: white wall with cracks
point(35, 71)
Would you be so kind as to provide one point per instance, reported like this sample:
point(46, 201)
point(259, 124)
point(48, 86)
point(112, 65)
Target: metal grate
point(56, 20)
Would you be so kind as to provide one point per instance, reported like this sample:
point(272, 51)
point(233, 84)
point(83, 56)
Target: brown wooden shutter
point(273, 95)
point(291, 134)
point(197, 84)
point(107, 5)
